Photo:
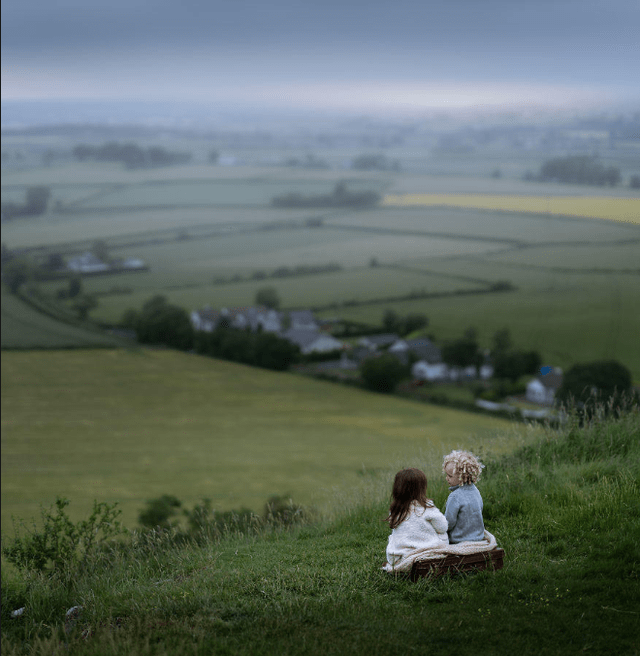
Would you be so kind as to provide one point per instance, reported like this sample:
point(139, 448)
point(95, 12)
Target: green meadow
point(563, 507)
point(127, 426)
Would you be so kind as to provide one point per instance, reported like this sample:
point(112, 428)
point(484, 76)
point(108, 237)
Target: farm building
point(312, 341)
point(422, 348)
point(543, 389)
point(375, 342)
point(87, 263)
point(253, 318)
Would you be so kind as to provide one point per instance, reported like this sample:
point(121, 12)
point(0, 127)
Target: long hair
point(409, 485)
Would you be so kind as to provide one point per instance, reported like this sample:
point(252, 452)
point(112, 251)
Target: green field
point(577, 279)
point(24, 327)
point(127, 426)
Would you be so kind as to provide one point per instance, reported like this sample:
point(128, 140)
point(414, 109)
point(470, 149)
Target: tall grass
point(564, 507)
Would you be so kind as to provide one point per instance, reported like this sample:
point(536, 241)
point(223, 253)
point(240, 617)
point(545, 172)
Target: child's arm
point(439, 523)
point(451, 511)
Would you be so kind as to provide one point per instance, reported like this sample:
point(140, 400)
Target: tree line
point(340, 197)
point(579, 169)
point(130, 154)
point(159, 322)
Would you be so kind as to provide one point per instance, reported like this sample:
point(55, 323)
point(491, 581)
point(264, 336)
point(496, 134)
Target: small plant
point(159, 512)
point(60, 543)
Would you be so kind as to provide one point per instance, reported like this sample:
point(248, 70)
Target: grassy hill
point(127, 426)
point(564, 507)
point(25, 327)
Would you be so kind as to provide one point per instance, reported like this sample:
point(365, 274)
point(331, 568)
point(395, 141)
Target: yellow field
point(596, 207)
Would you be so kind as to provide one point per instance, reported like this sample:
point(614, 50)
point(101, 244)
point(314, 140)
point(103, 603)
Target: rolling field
point(577, 278)
point(116, 425)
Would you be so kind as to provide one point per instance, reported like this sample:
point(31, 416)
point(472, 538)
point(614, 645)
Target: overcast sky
point(348, 54)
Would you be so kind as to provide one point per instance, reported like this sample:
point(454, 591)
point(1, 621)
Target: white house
point(87, 263)
point(423, 370)
point(253, 318)
point(543, 389)
point(311, 341)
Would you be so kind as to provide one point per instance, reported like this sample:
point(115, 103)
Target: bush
point(159, 512)
point(60, 543)
point(382, 374)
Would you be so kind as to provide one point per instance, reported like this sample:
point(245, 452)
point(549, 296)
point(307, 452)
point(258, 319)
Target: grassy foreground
point(564, 508)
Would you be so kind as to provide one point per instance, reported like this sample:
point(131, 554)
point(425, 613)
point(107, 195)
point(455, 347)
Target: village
point(328, 357)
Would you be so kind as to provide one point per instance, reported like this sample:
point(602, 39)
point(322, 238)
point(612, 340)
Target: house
point(311, 341)
point(87, 263)
point(423, 370)
point(243, 318)
point(302, 320)
point(133, 263)
point(421, 348)
point(375, 342)
point(543, 389)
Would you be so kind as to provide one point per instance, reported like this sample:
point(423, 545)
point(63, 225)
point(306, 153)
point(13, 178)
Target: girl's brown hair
point(409, 485)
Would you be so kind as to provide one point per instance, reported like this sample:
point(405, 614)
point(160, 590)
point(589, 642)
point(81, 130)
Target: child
point(464, 505)
point(415, 521)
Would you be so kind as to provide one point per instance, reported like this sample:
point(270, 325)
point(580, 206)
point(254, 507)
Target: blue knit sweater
point(464, 514)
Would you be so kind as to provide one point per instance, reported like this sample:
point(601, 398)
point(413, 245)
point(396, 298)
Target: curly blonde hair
point(465, 465)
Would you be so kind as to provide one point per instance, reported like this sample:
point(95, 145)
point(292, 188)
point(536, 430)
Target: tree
point(75, 286)
point(501, 341)
point(634, 182)
point(268, 296)
point(513, 364)
point(55, 262)
point(383, 373)
point(162, 323)
point(15, 273)
point(461, 353)
point(214, 156)
point(84, 305)
point(592, 382)
point(273, 352)
point(413, 322)
point(390, 321)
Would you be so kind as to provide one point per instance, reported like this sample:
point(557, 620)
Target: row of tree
point(160, 322)
point(130, 154)
point(340, 197)
point(579, 169)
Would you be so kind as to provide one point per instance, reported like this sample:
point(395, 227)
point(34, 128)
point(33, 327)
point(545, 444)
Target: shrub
point(382, 374)
point(60, 543)
point(159, 512)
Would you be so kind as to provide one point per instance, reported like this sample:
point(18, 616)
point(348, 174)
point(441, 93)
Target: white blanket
point(459, 549)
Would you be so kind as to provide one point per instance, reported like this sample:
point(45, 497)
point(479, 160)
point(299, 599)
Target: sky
point(401, 56)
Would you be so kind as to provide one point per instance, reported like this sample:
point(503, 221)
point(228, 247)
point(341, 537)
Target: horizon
point(336, 57)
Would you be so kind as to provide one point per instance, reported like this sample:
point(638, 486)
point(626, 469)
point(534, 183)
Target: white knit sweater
point(423, 528)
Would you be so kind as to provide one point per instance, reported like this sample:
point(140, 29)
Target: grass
point(128, 426)
point(563, 507)
point(24, 327)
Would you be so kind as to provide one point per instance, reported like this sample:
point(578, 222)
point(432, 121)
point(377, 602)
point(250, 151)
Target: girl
point(464, 504)
point(415, 521)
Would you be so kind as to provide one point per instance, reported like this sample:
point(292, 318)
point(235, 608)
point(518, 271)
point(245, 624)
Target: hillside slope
point(565, 509)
